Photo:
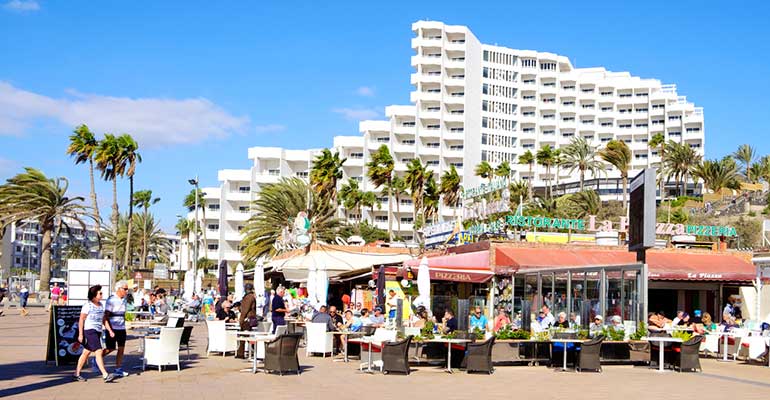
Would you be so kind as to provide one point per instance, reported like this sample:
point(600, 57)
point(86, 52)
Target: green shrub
point(684, 335)
point(641, 331)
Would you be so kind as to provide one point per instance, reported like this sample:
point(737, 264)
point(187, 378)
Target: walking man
point(115, 322)
point(279, 308)
point(23, 298)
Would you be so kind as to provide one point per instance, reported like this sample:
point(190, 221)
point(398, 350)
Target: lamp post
point(194, 182)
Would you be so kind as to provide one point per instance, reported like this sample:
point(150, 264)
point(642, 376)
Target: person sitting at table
point(352, 323)
point(655, 322)
point(548, 318)
point(708, 324)
point(357, 310)
point(193, 305)
point(574, 320)
point(322, 317)
point(478, 320)
point(161, 307)
point(596, 327)
point(678, 319)
point(728, 322)
point(423, 319)
point(336, 318)
point(562, 321)
point(449, 321)
point(501, 320)
point(378, 320)
point(617, 323)
point(226, 313)
point(365, 317)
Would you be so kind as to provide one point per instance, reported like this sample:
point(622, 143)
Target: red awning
point(467, 267)
point(663, 265)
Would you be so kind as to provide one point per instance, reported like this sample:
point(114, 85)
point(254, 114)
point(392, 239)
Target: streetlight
point(194, 182)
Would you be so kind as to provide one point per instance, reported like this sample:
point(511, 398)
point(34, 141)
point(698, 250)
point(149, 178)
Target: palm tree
point(529, 159)
point(326, 171)
point(764, 163)
point(109, 161)
point(581, 156)
point(83, 146)
point(450, 189)
point(658, 141)
point(431, 197)
point(545, 158)
point(398, 188)
point(369, 199)
point(144, 199)
point(543, 207)
point(380, 173)
point(31, 195)
point(350, 196)
point(415, 178)
point(503, 170)
point(484, 170)
point(586, 202)
point(183, 228)
point(756, 172)
point(679, 163)
point(746, 155)
point(557, 161)
point(131, 157)
point(153, 239)
point(278, 204)
point(617, 154)
point(75, 250)
point(519, 190)
point(717, 174)
point(189, 203)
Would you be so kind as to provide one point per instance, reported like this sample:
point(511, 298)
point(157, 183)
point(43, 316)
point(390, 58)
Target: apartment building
point(474, 102)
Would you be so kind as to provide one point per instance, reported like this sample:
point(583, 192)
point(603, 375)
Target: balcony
point(455, 80)
point(404, 130)
point(403, 148)
point(238, 196)
point(231, 236)
point(266, 177)
point(429, 113)
point(432, 133)
point(456, 153)
point(237, 215)
point(454, 117)
point(429, 151)
point(456, 63)
point(354, 162)
point(424, 96)
point(426, 60)
point(455, 45)
point(426, 42)
point(455, 98)
point(425, 78)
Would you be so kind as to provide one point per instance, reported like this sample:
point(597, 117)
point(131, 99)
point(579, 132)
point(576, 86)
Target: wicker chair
point(395, 356)
point(588, 357)
point(688, 358)
point(478, 357)
point(281, 354)
point(186, 333)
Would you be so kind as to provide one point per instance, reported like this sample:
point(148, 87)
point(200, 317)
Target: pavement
point(25, 375)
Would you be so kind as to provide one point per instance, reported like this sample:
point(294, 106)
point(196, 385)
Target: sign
point(138, 276)
point(82, 274)
point(160, 271)
point(295, 237)
point(485, 188)
point(63, 346)
point(443, 233)
point(641, 211)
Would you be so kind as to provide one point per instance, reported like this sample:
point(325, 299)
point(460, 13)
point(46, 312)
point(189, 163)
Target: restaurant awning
point(336, 260)
point(662, 264)
point(467, 267)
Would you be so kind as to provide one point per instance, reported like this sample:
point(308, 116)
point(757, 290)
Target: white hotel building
point(474, 102)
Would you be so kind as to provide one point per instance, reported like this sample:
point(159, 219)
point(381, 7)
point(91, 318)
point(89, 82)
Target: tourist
point(90, 332)
point(55, 295)
point(678, 319)
point(729, 307)
point(322, 317)
point(616, 323)
point(449, 321)
point(378, 320)
point(574, 321)
point(226, 313)
point(478, 320)
point(392, 303)
point(279, 308)
point(422, 319)
point(208, 304)
point(728, 322)
point(365, 317)
point(548, 318)
point(357, 310)
point(562, 321)
point(248, 318)
point(193, 306)
point(708, 324)
point(352, 323)
point(501, 320)
point(336, 318)
point(115, 322)
point(23, 298)
point(161, 307)
point(596, 327)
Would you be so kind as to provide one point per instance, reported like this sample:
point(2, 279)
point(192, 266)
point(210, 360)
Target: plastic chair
point(163, 349)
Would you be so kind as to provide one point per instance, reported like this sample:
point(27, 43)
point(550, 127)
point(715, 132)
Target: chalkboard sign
point(63, 346)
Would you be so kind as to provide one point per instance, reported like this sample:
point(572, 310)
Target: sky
point(198, 82)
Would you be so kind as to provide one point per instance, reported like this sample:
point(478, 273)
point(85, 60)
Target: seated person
point(574, 321)
point(597, 326)
point(378, 319)
point(617, 323)
point(365, 320)
point(501, 320)
point(655, 322)
point(561, 321)
point(450, 322)
point(352, 323)
point(478, 320)
point(323, 317)
point(193, 305)
point(422, 319)
point(336, 318)
point(678, 319)
point(728, 322)
point(226, 313)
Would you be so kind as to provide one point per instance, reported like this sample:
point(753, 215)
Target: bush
point(641, 331)
point(515, 334)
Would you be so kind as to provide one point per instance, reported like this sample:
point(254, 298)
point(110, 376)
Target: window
point(547, 66)
point(624, 95)
point(606, 123)
point(457, 164)
point(407, 141)
point(549, 84)
point(675, 133)
point(657, 106)
point(641, 110)
point(213, 227)
point(657, 121)
point(407, 220)
point(568, 134)
point(528, 114)
point(405, 202)
point(528, 81)
point(433, 126)
point(605, 94)
point(587, 90)
point(18, 260)
point(569, 103)
point(213, 247)
point(244, 189)
point(549, 132)
point(689, 130)
point(433, 109)
point(384, 139)
point(674, 117)
point(640, 156)
point(624, 126)
point(568, 119)
point(641, 125)
point(407, 123)
point(18, 248)
point(356, 155)
point(605, 139)
point(570, 87)
point(239, 228)
point(528, 97)
point(456, 147)
point(243, 209)
point(588, 106)
point(432, 163)
point(301, 174)
point(528, 62)
point(274, 172)
point(214, 207)
point(642, 94)
point(433, 145)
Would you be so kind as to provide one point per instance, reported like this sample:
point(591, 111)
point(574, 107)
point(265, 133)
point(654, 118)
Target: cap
point(697, 313)
point(599, 317)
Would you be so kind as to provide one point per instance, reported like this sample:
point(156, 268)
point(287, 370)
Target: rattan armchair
point(688, 358)
point(588, 357)
point(395, 356)
point(478, 356)
point(281, 354)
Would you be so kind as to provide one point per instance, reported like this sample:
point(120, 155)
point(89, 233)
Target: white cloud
point(356, 114)
point(22, 5)
point(8, 168)
point(365, 91)
point(153, 122)
point(269, 128)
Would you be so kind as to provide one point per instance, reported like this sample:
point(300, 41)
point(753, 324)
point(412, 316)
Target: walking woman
point(23, 299)
point(90, 333)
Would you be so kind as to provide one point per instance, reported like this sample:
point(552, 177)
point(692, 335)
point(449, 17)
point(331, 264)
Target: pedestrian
point(23, 298)
point(55, 295)
point(90, 329)
point(115, 322)
point(248, 317)
point(279, 308)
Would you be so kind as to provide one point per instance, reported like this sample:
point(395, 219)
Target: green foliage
point(680, 334)
point(749, 231)
point(613, 334)
point(514, 334)
point(641, 331)
point(583, 334)
point(543, 336)
point(367, 231)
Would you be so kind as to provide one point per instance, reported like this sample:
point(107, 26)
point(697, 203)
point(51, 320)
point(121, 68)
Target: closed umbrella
point(423, 284)
point(312, 286)
point(222, 278)
point(238, 282)
point(381, 286)
point(322, 284)
point(199, 282)
point(259, 284)
point(189, 285)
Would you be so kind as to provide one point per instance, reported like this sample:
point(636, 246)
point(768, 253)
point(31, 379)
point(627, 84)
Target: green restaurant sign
point(592, 225)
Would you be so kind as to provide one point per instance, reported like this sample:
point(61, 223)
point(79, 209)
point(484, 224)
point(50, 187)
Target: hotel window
point(605, 139)
point(407, 141)
point(408, 123)
point(528, 63)
point(244, 189)
point(675, 133)
point(606, 123)
point(548, 66)
point(605, 94)
point(214, 207)
point(302, 174)
point(213, 247)
point(213, 227)
point(407, 220)
point(568, 103)
point(693, 130)
point(432, 163)
point(587, 90)
point(568, 119)
point(384, 139)
point(380, 218)
point(356, 155)
point(674, 117)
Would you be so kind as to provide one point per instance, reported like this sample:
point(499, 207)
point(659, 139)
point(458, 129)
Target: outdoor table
point(449, 343)
point(232, 326)
point(565, 341)
point(370, 341)
point(256, 337)
point(725, 335)
point(661, 340)
point(346, 334)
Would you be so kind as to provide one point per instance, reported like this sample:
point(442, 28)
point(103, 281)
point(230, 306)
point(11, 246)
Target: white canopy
point(423, 284)
point(312, 286)
point(238, 282)
point(337, 260)
point(199, 282)
point(322, 285)
point(189, 285)
point(259, 284)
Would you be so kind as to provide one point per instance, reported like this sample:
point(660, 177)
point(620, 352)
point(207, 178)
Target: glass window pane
point(578, 296)
point(592, 301)
point(560, 293)
point(547, 289)
point(613, 305)
point(631, 296)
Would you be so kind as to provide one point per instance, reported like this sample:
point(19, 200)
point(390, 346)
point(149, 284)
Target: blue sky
point(198, 82)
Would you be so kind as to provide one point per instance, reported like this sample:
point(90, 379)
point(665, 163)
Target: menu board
point(63, 346)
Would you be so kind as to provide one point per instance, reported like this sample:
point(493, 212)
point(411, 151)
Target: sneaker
point(109, 378)
point(78, 378)
point(120, 373)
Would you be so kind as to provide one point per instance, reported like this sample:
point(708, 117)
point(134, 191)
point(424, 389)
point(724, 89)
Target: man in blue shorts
point(115, 322)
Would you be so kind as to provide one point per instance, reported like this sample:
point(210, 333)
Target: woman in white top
point(90, 329)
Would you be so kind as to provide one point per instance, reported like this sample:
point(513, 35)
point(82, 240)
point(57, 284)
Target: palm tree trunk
point(95, 205)
point(398, 211)
point(45, 257)
point(114, 217)
point(625, 193)
point(127, 254)
point(390, 212)
point(529, 181)
point(203, 229)
point(582, 178)
point(144, 240)
point(414, 219)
